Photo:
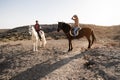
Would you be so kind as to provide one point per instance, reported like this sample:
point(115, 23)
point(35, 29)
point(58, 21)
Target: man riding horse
point(76, 24)
point(37, 28)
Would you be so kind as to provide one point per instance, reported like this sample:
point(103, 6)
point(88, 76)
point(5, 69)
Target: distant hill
point(21, 33)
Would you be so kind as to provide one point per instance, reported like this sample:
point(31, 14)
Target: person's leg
point(39, 35)
point(75, 29)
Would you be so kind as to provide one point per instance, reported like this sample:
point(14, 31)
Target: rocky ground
point(19, 62)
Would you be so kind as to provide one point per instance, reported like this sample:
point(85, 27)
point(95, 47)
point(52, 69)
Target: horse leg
point(33, 46)
point(89, 42)
point(44, 43)
point(93, 38)
point(41, 43)
point(36, 45)
point(70, 45)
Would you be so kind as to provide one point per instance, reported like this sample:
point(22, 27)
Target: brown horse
point(87, 32)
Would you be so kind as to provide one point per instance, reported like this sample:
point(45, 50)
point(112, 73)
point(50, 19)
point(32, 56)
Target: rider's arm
point(73, 18)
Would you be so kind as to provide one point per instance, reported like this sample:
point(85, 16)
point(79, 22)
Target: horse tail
point(93, 37)
point(43, 38)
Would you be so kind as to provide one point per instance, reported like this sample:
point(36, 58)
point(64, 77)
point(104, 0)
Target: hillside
point(21, 33)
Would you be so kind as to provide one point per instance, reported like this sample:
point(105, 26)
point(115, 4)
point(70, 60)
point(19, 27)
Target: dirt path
point(19, 62)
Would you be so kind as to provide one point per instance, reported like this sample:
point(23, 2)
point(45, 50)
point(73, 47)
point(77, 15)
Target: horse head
point(63, 26)
point(60, 25)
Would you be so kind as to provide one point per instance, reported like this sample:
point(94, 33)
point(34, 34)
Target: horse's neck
point(66, 28)
point(34, 32)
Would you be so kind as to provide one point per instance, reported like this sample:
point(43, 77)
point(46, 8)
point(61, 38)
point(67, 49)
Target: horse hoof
point(86, 49)
point(69, 50)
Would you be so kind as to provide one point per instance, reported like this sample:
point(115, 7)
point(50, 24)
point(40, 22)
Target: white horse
point(35, 38)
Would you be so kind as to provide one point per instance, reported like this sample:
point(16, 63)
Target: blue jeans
point(75, 29)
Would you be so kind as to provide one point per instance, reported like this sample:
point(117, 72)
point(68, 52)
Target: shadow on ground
point(9, 54)
point(44, 69)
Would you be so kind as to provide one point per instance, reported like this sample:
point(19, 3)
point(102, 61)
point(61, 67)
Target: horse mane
point(33, 29)
point(67, 24)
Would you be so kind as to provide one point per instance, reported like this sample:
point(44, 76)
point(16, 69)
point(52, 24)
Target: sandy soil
point(19, 62)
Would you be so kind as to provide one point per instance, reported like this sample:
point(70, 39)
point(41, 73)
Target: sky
point(15, 13)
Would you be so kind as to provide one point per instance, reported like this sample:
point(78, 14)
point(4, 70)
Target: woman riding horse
point(76, 24)
point(87, 32)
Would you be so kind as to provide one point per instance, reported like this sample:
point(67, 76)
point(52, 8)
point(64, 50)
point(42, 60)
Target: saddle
point(76, 32)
